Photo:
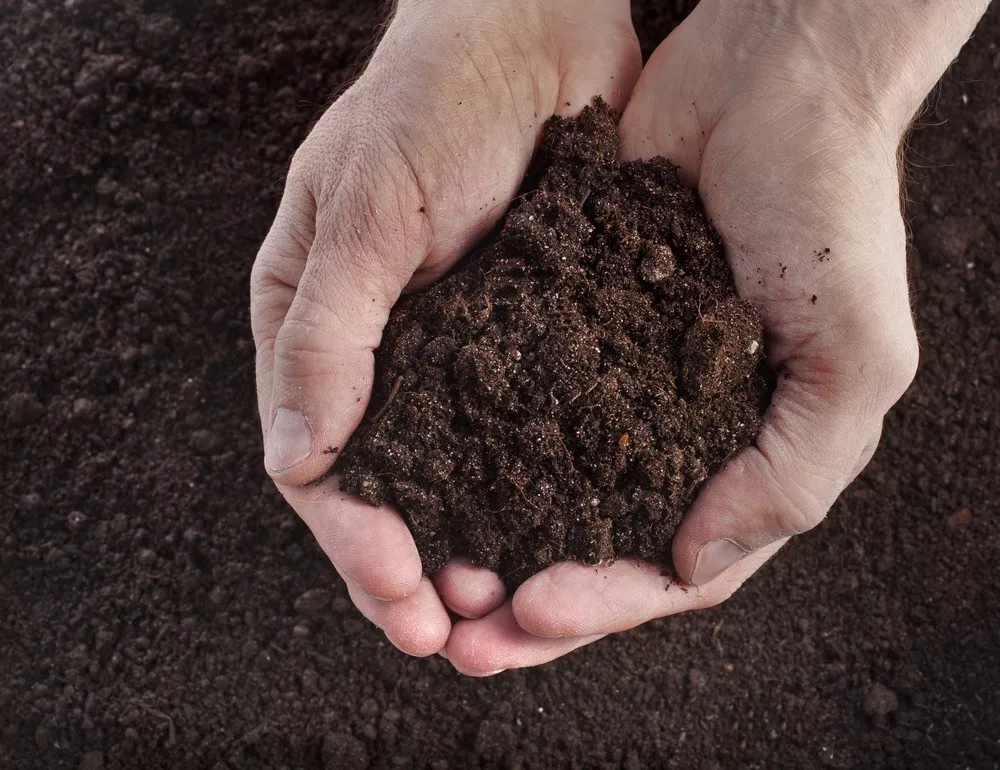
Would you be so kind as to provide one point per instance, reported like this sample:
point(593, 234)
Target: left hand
point(401, 176)
point(789, 125)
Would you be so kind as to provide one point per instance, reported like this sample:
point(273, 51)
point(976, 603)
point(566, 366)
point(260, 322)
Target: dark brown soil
point(152, 579)
point(567, 390)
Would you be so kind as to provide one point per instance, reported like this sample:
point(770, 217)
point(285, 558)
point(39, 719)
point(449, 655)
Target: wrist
point(874, 64)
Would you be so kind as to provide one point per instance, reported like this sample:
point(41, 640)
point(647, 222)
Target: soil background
point(161, 607)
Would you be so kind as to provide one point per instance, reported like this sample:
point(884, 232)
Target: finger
point(418, 625)
point(497, 643)
point(678, 133)
point(844, 361)
point(821, 427)
point(607, 64)
point(359, 262)
point(276, 272)
point(468, 590)
point(371, 547)
point(572, 600)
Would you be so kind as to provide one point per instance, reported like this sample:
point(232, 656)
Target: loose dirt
point(566, 391)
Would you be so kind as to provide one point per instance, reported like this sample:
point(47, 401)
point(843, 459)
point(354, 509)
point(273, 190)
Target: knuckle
point(264, 282)
point(797, 511)
point(299, 341)
point(794, 506)
point(716, 596)
point(894, 354)
point(329, 141)
point(266, 310)
point(794, 517)
point(302, 166)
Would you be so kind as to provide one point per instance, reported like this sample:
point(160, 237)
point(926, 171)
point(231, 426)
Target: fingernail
point(714, 559)
point(289, 441)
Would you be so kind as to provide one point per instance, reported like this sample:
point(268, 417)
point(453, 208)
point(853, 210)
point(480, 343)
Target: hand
point(401, 176)
point(789, 124)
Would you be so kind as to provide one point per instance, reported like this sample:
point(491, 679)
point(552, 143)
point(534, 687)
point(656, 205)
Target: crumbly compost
point(565, 392)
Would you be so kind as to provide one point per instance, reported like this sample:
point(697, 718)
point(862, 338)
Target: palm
point(807, 204)
point(400, 178)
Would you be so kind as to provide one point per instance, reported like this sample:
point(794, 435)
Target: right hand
point(397, 181)
point(787, 116)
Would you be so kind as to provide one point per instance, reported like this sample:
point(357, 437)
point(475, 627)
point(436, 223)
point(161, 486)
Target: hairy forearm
point(884, 55)
point(924, 37)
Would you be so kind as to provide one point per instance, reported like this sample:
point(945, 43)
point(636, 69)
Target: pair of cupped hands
point(785, 117)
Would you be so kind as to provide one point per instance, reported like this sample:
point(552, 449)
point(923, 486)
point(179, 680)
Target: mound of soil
point(566, 391)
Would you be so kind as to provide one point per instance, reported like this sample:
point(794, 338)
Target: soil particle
point(75, 520)
point(95, 73)
point(84, 410)
point(23, 409)
point(880, 701)
point(961, 518)
point(313, 601)
point(342, 751)
point(494, 740)
point(950, 240)
point(92, 760)
point(205, 442)
point(565, 392)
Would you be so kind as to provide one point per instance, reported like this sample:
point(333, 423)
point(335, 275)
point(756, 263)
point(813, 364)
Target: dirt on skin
point(162, 607)
point(565, 392)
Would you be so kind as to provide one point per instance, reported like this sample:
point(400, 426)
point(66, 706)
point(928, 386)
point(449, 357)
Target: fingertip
point(391, 570)
point(571, 599)
point(741, 510)
point(471, 651)
point(289, 441)
point(417, 625)
point(468, 590)
point(497, 643)
point(422, 639)
point(293, 455)
point(369, 545)
point(567, 599)
point(532, 605)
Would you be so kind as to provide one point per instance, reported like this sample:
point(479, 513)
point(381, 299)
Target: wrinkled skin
point(788, 121)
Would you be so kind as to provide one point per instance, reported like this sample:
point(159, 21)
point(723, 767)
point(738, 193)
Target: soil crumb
point(565, 392)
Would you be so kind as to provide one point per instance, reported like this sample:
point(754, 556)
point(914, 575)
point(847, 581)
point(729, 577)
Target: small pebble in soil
point(313, 601)
point(960, 519)
point(880, 701)
point(205, 442)
point(75, 520)
point(23, 409)
point(341, 751)
point(95, 73)
point(84, 409)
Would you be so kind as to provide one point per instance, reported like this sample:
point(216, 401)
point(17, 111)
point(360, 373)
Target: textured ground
point(161, 607)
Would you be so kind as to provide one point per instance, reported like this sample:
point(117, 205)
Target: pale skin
point(787, 115)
